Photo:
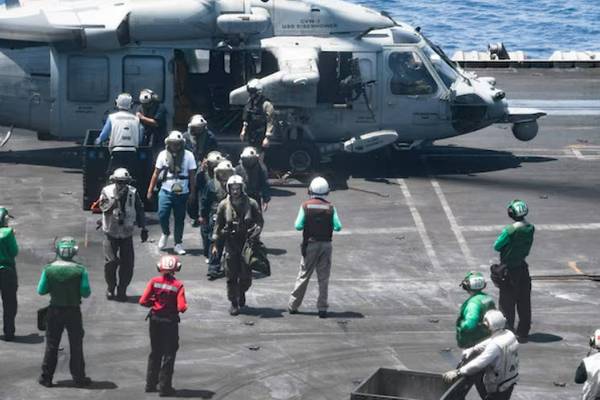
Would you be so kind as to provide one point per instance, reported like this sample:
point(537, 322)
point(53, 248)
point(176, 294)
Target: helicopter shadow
point(432, 161)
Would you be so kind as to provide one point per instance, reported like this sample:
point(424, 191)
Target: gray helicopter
point(343, 78)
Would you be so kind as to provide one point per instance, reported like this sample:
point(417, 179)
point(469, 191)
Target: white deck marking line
point(578, 154)
point(462, 243)
point(420, 225)
point(540, 227)
point(359, 231)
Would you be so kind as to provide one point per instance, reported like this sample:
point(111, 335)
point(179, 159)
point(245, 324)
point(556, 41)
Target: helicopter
point(343, 77)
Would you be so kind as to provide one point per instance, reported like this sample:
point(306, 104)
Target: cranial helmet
point(120, 175)
point(147, 96)
point(197, 121)
point(517, 209)
point(224, 170)
point(124, 101)
point(254, 86)
point(249, 152)
point(595, 339)
point(318, 187)
point(168, 264)
point(474, 281)
point(494, 320)
point(214, 158)
point(235, 180)
point(174, 137)
point(66, 248)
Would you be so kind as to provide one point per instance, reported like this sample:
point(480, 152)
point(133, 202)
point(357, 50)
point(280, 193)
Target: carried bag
point(499, 275)
point(42, 318)
point(255, 256)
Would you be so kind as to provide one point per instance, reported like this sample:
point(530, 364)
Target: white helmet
point(224, 170)
point(235, 180)
point(318, 187)
point(197, 121)
point(120, 175)
point(249, 152)
point(214, 158)
point(147, 95)
point(174, 136)
point(254, 86)
point(494, 320)
point(595, 340)
point(124, 101)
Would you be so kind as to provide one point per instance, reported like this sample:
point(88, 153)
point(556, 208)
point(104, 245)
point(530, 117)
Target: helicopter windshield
point(445, 70)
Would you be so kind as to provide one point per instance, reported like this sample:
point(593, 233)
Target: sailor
point(165, 296)
point(153, 116)
point(67, 282)
point(497, 356)
point(206, 175)
point(214, 193)
point(122, 209)
point(469, 325)
point(317, 219)
point(176, 169)
point(588, 371)
point(514, 244)
point(255, 177)
point(199, 139)
point(8, 275)
point(258, 117)
point(239, 221)
point(124, 133)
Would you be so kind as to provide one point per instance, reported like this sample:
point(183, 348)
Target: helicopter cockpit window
point(410, 76)
point(444, 70)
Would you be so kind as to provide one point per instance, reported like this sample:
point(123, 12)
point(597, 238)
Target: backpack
point(499, 275)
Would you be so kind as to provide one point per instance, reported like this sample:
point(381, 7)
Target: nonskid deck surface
point(412, 228)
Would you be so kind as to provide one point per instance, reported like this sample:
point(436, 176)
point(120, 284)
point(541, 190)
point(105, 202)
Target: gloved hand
point(451, 376)
point(144, 235)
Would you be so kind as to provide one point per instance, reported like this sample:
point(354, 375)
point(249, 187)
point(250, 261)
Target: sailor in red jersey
point(166, 296)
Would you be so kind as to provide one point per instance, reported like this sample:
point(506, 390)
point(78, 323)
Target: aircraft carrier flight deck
point(412, 228)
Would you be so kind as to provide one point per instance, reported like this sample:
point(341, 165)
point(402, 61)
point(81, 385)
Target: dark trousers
point(118, 254)
point(164, 343)
point(8, 287)
point(516, 293)
point(60, 318)
point(214, 261)
point(205, 233)
point(500, 395)
point(239, 277)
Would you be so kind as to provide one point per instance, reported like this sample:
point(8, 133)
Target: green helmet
point(66, 248)
point(517, 209)
point(474, 281)
point(3, 216)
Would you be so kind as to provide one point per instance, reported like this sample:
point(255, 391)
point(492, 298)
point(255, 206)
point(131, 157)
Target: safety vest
point(591, 387)
point(164, 291)
point(521, 240)
point(125, 133)
point(255, 112)
point(119, 223)
point(318, 220)
point(505, 371)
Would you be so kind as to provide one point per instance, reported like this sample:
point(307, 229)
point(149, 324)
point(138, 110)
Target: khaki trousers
point(318, 257)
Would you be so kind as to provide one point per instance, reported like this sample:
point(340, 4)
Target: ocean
point(537, 27)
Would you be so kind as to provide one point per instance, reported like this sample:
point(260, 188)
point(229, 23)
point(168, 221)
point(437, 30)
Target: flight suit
point(259, 115)
point(213, 194)
point(255, 181)
point(234, 226)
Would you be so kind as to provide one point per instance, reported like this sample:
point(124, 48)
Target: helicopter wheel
point(303, 158)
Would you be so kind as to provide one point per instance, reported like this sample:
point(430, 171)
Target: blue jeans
point(168, 201)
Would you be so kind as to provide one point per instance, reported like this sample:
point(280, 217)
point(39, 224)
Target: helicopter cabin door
point(411, 100)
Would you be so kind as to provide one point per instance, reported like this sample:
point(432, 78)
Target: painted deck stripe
point(346, 232)
point(420, 225)
point(538, 227)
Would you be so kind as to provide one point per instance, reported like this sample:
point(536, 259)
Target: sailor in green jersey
point(469, 325)
point(8, 275)
point(67, 282)
point(514, 244)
